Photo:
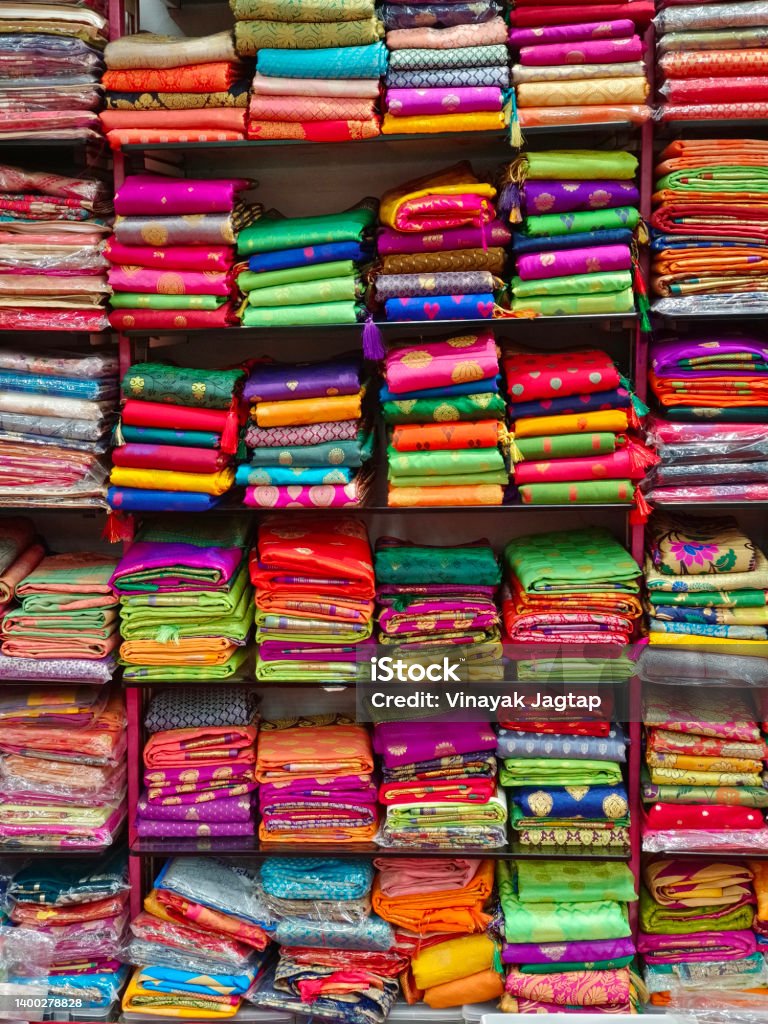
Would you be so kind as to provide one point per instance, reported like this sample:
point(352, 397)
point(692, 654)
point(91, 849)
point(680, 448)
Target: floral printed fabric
point(693, 545)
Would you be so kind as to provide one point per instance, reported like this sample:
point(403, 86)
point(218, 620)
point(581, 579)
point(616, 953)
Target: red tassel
point(231, 433)
point(120, 526)
point(639, 514)
point(640, 456)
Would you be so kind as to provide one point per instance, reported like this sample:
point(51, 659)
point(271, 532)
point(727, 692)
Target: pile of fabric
point(309, 438)
point(444, 212)
point(167, 89)
point(52, 270)
point(448, 67)
point(186, 604)
point(21, 551)
point(439, 786)
point(709, 227)
point(315, 780)
point(309, 26)
point(81, 906)
point(307, 270)
point(447, 439)
point(337, 959)
point(200, 943)
point(712, 60)
point(157, 282)
point(579, 63)
point(51, 58)
point(62, 780)
point(445, 971)
point(198, 764)
point(568, 937)
point(56, 410)
point(314, 598)
point(576, 211)
point(182, 461)
point(696, 929)
point(571, 414)
point(710, 431)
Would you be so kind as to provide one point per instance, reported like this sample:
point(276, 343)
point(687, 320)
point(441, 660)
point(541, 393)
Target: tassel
point(641, 297)
point(118, 527)
point(498, 965)
point(509, 202)
point(641, 456)
point(230, 436)
point(639, 514)
point(117, 434)
point(167, 635)
point(514, 452)
point(515, 131)
point(638, 405)
point(643, 235)
point(373, 341)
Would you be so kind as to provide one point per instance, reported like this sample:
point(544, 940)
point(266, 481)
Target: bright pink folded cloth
point(602, 51)
point(441, 364)
point(485, 33)
point(593, 260)
point(156, 194)
point(620, 465)
point(178, 257)
point(168, 282)
point(572, 33)
point(408, 875)
point(674, 949)
point(425, 102)
point(716, 817)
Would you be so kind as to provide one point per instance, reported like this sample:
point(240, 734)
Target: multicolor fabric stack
point(63, 768)
point(577, 212)
point(579, 63)
point(447, 439)
point(81, 906)
point(51, 58)
point(315, 777)
point(450, 210)
point(157, 282)
point(166, 89)
point(182, 459)
point(713, 61)
point(186, 601)
point(439, 786)
point(52, 270)
point(571, 414)
point(710, 226)
point(448, 67)
point(199, 763)
point(568, 937)
point(199, 944)
point(56, 409)
point(307, 270)
point(312, 626)
point(309, 439)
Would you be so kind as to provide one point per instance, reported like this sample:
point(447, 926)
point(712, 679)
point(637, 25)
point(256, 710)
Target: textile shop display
point(579, 63)
point(52, 269)
point(186, 603)
point(711, 60)
point(307, 270)
point(574, 215)
point(52, 58)
point(573, 417)
point(164, 464)
point(448, 67)
point(310, 436)
point(709, 226)
point(568, 943)
point(170, 89)
point(315, 626)
point(447, 442)
point(450, 213)
point(172, 254)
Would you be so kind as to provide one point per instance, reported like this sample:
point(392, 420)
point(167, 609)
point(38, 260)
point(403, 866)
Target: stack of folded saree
point(308, 439)
point(448, 67)
point(56, 409)
point(446, 971)
point(63, 782)
point(316, 781)
point(52, 270)
point(567, 936)
point(433, 897)
point(166, 89)
point(696, 929)
point(51, 58)
point(186, 601)
point(198, 764)
point(576, 212)
point(712, 60)
point(579, 63)
point(306, 270)
point(183, 459)
point(155, 281)
point(451, 210)
point(439, 786)
point(305, 26)
point(20, 553)
point(710, 226)
point(314, 598)
point(702, 781)
point(447, 440)
point(570, 415)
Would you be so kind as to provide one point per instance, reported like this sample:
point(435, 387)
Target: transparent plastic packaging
point(710, 112)
point(621, 113)
point(46, 782)
point(88, 991)
point(25, 959)
point(720, 302)
point(686, 667)
point(702, 494)
point(80, 881)
point(89, 321)
point(698, 978)
point(349, 911)
point(230, 886)
point(703, 841)
point(714, 474)
point(438, 15)
point(41, 258)
point(697, 91)
point(167, 943)
point(669, 437)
